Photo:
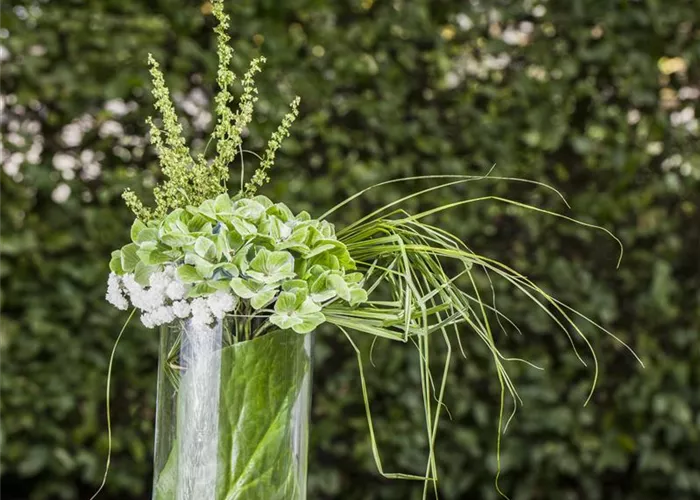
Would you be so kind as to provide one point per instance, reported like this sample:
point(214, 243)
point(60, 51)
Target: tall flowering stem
point(191, 181)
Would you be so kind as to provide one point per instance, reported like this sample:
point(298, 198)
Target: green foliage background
point(599, 98)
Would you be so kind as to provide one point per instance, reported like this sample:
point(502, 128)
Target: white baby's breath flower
point(159, 316)
point(201, 314)
point(176, 290)
point(181, 308)
point(155, 298)
point(115, 296)
point(146, 299)
point(159, 280)
point(220, 303)
point(147, 320)
point(130, 283)
point(163, 315)
point(132, 288)
point(139, 301)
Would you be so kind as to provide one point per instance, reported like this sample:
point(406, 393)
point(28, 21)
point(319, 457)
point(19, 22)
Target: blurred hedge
point(598, 98)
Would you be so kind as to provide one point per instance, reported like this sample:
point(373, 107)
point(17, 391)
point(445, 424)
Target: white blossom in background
point(199, 98)
point(63, 161)
point(117, 107)
point(464, 21)
point(682, 117)
point(539, 10)
point(498, 62)
point(689, 93)
point(111, 128)
point(71, 135)
point(655, 148)
point(527, 27)
point(34, 152)
point(24, 143)
point(90, 164)
point(536, 72)
point(4, 53)
point(90, 171)
point(673, 161)
point(11, 163)
point(513, 36)
point(196, 104)
point(37, 50)
point(61, 193)
point(633, 116)
point(452, 80)
point(15, 139)
point(202, 120)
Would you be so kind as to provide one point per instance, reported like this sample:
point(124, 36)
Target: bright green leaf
point(188, 273)
point(129, 257)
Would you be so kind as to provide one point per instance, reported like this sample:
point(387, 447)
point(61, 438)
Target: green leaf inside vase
point(261, 380)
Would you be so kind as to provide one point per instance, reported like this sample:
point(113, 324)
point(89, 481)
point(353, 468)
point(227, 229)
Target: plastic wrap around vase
point(232, 417)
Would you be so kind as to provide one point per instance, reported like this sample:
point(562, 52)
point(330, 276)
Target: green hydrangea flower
point(297, 311)
point(257, 250)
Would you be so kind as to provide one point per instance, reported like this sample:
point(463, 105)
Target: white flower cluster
point(165, 299)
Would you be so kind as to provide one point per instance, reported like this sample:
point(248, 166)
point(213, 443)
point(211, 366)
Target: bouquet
point(238, 283)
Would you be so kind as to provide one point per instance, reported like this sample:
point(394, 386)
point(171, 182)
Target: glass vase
point(232, 416)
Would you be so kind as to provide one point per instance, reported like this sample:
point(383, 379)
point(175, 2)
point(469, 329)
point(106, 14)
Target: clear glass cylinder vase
point(232, 417)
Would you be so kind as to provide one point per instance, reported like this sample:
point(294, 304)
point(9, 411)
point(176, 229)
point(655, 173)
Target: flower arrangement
point(207, 256)
point(230, 256)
